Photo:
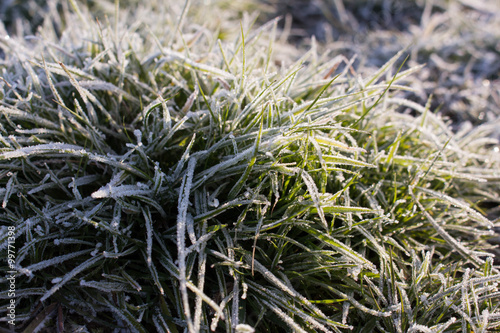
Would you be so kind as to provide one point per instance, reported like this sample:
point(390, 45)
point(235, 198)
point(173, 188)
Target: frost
point(56, 280)
point(214, 203)
point(193, 64)
point(80, 181)
point(138, 135)
point(354, 272)
point(88, 263)
point(107, 287)
point(313, 192)
point(39, 230)
point(9, 188)
point(345, 311)
point(419, 328)
point(182, 217)
point(190, 228)
point(158, 178)
point(245, 289)
point(112, 121)
point(96, 250)
point(244, 328)
point(55, 260)
point(121, 191)
point(189, 102)
point(149, 234)
point(39, 150)
point(287, 319)
point(25, 271)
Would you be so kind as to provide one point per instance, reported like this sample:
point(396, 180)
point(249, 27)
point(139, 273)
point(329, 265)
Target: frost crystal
point(244, 328)
point(138, 135)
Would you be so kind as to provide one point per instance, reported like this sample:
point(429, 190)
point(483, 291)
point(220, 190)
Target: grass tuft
point(168, 176)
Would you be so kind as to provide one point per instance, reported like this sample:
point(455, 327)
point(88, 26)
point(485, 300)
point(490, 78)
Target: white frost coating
point(138, 135)
point(380, 249)
point(245, 289)
point(354, 272)
point(56, 260)
point(184, 158)
point(96, 250)
point(183, 204)
point(190, 228)
point(362, 307)
point(197, 65)
point(214, 203)
point(199, 242)
point(149, 234)
point(236, 301)
point(465, 305)
point(39, 230)
point(465, 317)
point(70, 275)
point(158, 178)
point(452, 241)
point(407, 304)
point(218, 315)
point(39, 149)
point(105, 86)
point(310, 320)
point(268, 275)
point(108, 191)
point(419, 328)
point(124, 314)
point(56, 280)
point(23, 115)
point(476, 216)
point(67, 149)
point(9, 187)
point(244, 328)
point(314, 193)
point(71, 241)
point(345, 312)
point(189, 102)
point(443, 327)
point(287, 319)
point(485, 318)
point(247, 153)
point(337, 144)
point(201, 284)
point(104, 286)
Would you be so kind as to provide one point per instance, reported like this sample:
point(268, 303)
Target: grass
point(168, 176)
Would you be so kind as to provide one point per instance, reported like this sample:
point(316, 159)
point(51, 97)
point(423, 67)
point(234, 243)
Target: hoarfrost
point(182, 217)
point(121, 191)
point(244, 328)
point(88, 263)
point(56, 280)
point(149, 234)
point(354, 272)
point(55, 261)
point(214, 203)
point(138, 135)
point(314, 193)
point(9, 189)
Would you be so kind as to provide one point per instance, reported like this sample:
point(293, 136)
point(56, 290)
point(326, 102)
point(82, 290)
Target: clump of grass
point(168, 180)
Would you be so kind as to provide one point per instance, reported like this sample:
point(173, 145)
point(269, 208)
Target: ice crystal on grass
point(165, 172)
